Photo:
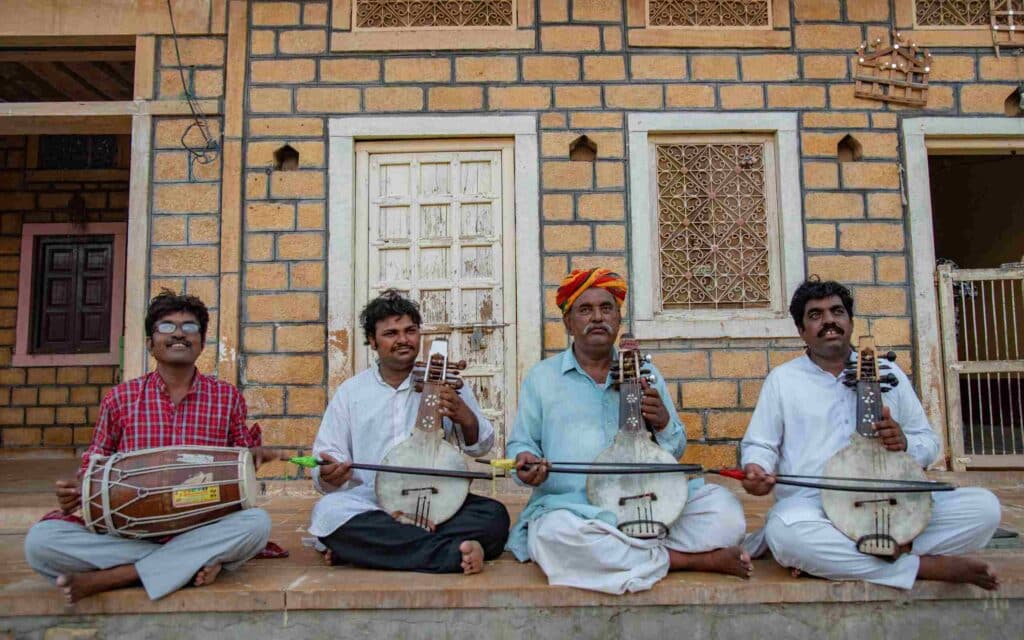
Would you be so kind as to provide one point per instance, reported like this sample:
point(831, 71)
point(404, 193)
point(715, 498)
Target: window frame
point(777, 34)
point(650, 320)
point(346, 37)
point(26, 285)
point(938, 35)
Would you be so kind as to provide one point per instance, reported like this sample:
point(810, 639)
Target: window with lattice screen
point(432, 25)
point(716, 230)
point(713, 209)
point(700, 13)
point(952, 13)
point(388, 14)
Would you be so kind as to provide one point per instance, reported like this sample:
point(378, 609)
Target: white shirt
point(364, 420)
point(805, 415)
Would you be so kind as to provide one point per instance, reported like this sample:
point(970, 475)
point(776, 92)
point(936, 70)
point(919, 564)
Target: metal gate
point(982, 326)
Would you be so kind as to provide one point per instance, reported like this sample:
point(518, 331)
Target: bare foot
point(76, 586)
point(472, 557)
point(958, 569)
point(207, 575)
point(328, 558)
point(729, 560)
point(796, 573)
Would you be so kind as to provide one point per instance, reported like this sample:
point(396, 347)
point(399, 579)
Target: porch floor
point(302, 583)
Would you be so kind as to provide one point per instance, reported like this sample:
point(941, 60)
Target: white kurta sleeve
point(334, 437)
point(485, 430)
point(922, 442)
point(763, 439)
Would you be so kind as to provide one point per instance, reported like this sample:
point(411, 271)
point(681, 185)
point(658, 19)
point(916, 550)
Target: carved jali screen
point(952, 13)
point(713, 225)
point(701, 13)
point(404, 14)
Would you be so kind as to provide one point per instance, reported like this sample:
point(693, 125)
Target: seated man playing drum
point(175, 405)
point(804, 416)
point(569, 411)
point(369, 415)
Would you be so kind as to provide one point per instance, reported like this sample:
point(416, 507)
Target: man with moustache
point(804, 415)
point(175, 405)
point(369, 414)
point(568, 410)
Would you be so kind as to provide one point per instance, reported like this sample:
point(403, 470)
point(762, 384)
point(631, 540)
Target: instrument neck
point(631, 420)
point(428, 417)
point(869, 407)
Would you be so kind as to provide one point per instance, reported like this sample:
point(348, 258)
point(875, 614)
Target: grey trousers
point(56, 547)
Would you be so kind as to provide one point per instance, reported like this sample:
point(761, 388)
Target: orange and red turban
point(580, 280)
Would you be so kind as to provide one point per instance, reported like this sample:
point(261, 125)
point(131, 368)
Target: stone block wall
point(45, 406)
point(581, 75)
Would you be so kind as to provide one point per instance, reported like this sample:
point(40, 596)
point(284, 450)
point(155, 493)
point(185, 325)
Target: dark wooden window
point(71, 284)
point(77, 152)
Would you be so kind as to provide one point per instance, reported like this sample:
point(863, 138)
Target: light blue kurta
point(565, 416)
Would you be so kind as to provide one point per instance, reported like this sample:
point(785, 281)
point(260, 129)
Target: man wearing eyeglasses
point(175, 405)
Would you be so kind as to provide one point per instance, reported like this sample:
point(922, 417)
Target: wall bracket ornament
point(897, 72)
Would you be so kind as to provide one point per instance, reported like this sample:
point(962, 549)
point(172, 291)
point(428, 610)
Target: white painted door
point(437, 232)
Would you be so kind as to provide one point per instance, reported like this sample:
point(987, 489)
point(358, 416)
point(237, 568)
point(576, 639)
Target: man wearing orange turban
point(568, 410)
point(574, 284)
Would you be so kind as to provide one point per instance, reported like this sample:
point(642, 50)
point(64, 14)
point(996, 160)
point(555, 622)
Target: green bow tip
point(305, 461)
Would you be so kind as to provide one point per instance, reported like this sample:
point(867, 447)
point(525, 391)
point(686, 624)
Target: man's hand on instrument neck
point(334, 474)
point(652, 407)
point(537, 471)
point(758, 482)
point(69, 495)
point(890, 432)
point(456, 409)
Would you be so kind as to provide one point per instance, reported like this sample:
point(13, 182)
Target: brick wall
point(48, 406)
point(580, 80)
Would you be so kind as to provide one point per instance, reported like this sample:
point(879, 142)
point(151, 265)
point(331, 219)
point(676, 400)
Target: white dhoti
point(801, 536)
point(592, 554)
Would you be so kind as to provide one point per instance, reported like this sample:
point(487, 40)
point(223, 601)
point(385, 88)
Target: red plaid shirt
point(138, 414)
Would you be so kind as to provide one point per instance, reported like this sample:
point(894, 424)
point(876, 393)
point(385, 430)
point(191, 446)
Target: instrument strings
point(644, 499)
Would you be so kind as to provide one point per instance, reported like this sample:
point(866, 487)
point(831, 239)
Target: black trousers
point(375, 540)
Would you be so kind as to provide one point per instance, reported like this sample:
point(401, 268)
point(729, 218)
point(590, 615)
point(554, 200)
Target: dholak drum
point(168, 490)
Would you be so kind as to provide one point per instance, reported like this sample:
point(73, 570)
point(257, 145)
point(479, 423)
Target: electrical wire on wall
point(208, 150)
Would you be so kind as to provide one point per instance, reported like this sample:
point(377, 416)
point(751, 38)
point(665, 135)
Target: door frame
point(342, 313)
point(933, 136)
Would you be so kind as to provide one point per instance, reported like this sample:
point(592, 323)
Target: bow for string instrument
point(645, 504)
point(880, 522)
point(422, 499)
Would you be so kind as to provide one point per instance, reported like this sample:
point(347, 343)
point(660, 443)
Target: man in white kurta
point(804, 415)
point(369, 414)
point(569, 411)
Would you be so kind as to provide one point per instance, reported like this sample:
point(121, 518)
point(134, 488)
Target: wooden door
point(438, 231)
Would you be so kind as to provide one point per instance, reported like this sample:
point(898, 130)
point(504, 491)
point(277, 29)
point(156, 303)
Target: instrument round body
point(877, 522)
point(437, 499)
point(645, 504)
point(167, 490)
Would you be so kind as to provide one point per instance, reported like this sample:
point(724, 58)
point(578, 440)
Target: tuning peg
point(850, 383)
point(890, 356)
point(647, 358)
point(890, 379)
point(652, 379)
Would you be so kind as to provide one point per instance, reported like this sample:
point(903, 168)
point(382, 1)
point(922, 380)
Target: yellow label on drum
point(198, 495)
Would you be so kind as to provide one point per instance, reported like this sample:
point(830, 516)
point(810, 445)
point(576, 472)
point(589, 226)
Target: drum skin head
point(615, 493)
point(896, 516)
point(406, 493)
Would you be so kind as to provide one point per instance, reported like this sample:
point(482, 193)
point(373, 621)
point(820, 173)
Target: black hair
point(168, 302)
point(815, 289)
point(388, 304)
